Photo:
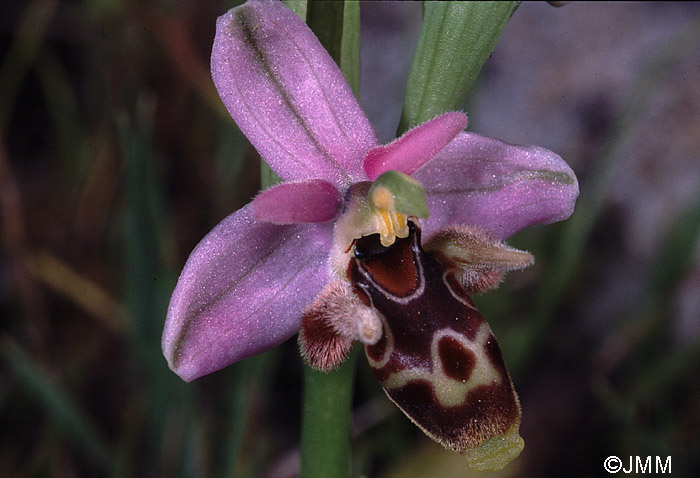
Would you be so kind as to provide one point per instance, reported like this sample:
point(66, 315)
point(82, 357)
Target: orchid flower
point(300, 251)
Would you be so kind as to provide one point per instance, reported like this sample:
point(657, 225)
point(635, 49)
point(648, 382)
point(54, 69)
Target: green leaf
point(60, 408)
point(455, 40)
point(268, 177)
point(337, 26)
point(298, 7)
point(145, 294)
point(147, 287)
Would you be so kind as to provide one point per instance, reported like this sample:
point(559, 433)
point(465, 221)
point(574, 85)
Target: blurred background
point(116, 158)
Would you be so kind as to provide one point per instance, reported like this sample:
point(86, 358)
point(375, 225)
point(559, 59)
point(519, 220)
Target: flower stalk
point(326, 418)
point(326, 448)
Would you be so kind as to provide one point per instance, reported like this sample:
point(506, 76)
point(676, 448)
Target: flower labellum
point(430, 348)
point(438, 359)
point(334, 252)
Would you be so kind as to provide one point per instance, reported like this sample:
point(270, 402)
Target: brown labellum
point(437, 358)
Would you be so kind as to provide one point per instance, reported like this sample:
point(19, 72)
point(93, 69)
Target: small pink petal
point(288, 96)
point(417, 146)
point(499, 186)
point(315, 200)
point(242, 291)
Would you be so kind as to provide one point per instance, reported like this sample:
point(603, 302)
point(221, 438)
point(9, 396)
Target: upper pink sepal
point(314, 200)
point(242, 291)
point(288, 96)
point(415, 147)
point(501, 187)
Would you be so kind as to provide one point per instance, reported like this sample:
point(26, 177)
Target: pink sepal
point(242, 291)
point(288, 96)
point(499, 186)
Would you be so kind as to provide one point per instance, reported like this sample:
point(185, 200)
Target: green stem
point(326, 419)
point(325, 434)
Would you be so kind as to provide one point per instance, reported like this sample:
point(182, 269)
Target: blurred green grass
point(116, 157)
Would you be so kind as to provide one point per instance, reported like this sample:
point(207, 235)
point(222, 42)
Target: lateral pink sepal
point(498, 186)
point(242, 291)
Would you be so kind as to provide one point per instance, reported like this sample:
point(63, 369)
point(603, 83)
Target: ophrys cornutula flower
point(342, 233)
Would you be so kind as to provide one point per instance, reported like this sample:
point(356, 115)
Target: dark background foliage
point(116, 157)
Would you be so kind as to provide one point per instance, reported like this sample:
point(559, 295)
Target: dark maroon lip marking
point(457, 362)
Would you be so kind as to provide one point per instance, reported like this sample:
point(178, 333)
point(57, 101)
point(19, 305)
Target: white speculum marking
point(456, 296)
point(448, 391)
point(389, 349)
